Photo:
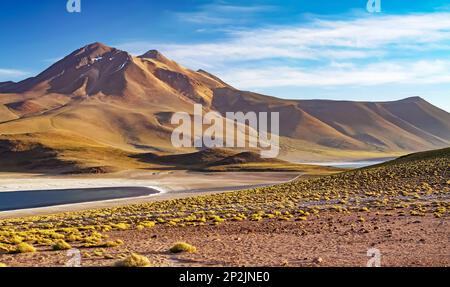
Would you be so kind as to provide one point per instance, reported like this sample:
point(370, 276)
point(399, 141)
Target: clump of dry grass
point(61, 245)
point(183, 247)
point(146, 224)
point(114, 243)
point(120, 226)
point(134, 260)
point(24, 248)
point(3, 265)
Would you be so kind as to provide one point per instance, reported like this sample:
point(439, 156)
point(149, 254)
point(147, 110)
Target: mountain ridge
point(120, 102)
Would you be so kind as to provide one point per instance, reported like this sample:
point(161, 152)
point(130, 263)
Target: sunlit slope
point(124, 103)
point(220, 160)
point(407, 125)
point(106, 95)
point(440, 154)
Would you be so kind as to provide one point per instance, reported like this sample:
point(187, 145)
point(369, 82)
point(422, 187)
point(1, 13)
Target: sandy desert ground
point(328, 240)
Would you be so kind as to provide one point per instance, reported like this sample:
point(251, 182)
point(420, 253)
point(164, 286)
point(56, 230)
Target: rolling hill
point(410, 124)
point(220, 160)
point(99, 107)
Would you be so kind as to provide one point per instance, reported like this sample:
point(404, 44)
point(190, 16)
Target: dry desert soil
point(328, 240)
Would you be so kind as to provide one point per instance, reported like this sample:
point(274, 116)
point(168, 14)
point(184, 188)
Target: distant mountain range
point(99, 105)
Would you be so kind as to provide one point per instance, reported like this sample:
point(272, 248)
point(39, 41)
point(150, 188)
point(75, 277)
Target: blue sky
point(301, 49)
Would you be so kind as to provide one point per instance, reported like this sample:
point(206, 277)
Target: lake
point(350, 164)
point(43, 198)
point(357, 164)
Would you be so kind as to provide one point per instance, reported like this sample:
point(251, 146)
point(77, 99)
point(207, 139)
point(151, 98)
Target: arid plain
point(401, 208)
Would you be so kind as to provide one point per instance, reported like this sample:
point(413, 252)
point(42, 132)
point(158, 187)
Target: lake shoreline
point(31, 199)
point(169, 186)
point(352, 164)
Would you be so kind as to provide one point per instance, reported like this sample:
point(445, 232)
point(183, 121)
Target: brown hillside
point(102, 95)
point(411, 124)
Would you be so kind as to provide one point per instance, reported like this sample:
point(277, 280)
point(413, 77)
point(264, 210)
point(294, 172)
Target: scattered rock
point(318, 260)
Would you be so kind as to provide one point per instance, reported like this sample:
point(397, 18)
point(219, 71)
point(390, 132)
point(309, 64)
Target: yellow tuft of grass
point(183, 247)
point(2, 265)
point(24, 248)
point(146, 224)
point(114, 243)
point(61, 245)
point(134, 260)
point(121, 226)
point(4, 248)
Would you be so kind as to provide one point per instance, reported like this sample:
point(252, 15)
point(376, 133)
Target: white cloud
point(221, 13)
point(11, 73)
point(364, 37)
point(362, 51)
point(53, 60)
point(342, 74)
point(215, 56)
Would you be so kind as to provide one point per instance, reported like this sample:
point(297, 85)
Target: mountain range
point(100, 107)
